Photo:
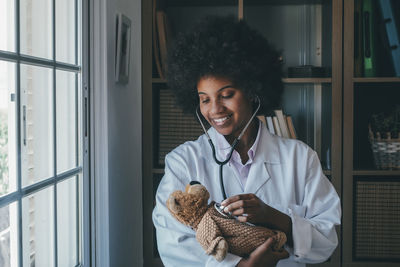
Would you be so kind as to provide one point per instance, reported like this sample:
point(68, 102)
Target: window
point(41, 137)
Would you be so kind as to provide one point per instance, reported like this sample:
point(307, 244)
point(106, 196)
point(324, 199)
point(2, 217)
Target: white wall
point(125, 143)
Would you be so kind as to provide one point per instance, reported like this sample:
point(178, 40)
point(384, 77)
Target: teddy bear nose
point(194, 182)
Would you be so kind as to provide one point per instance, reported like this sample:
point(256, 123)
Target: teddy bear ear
point(199, 190)
point(173, 205)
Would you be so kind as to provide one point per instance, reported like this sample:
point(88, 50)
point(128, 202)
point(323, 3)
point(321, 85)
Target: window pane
point(7, 128)
point(9, 236)
point(36, 28)
point(66, 120)
point(66, 223)
point(38, 229)
point(37, 145)
point(65, 31)
point(7, 25)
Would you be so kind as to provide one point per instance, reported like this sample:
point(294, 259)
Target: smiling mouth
point(221, 121)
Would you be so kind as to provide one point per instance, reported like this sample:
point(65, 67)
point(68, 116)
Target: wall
point(124, 143)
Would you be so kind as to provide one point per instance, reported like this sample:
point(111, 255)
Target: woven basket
point(386, 151)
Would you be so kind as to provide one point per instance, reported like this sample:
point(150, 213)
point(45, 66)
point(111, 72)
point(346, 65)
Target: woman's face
point(225, 107)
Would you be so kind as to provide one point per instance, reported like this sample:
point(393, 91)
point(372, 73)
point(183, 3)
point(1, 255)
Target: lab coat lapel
point(267, 153)
point(231, 180)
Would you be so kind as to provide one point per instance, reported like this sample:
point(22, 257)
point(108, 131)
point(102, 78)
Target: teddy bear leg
point(220, 251)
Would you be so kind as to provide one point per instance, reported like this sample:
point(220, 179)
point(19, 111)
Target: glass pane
point(7, 128)
point(37, 137)
point(310, 106)
point(67, 223)
point(7, 25)
point(38, 228)
point(66, 120)
point(36, 28)
point(65, 31)
point(301, 31)
point(9, 236)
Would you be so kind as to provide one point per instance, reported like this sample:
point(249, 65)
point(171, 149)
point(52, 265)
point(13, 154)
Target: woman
point(230, 72)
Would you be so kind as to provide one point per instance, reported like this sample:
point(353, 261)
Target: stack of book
point(280, 124)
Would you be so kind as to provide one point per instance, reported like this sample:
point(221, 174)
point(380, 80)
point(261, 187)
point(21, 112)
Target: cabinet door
point(371, 177)
point(164, 125)
point(309, 36)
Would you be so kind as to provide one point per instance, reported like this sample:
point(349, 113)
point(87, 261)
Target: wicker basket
point(386, 151)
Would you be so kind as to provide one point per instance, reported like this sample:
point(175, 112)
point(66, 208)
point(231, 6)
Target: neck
point(247, 140)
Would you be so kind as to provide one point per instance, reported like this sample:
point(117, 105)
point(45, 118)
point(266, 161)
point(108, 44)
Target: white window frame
point(84, 212)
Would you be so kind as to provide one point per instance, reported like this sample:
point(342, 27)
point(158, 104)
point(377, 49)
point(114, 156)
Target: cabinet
point(309, 32)
point(371, 232)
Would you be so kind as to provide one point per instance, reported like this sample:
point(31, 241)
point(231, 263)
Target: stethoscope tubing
point(233, 146)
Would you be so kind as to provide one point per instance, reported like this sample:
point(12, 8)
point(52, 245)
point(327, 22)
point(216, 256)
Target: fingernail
point(226, 210)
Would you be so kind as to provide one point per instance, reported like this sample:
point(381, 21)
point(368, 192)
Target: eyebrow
point(220, 89)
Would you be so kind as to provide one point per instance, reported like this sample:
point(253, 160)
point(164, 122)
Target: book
point(392, 33)
point(156, 47)
point(292, 131)
point(276, 126)
point(270, 124)
point(358, 39)
point(162, 29)
point(369, 38)
point(262, 119)
point(282, 123)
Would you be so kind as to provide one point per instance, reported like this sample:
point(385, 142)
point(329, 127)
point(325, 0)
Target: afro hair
point(228, 48)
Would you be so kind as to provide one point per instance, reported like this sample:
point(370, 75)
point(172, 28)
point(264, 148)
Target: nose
point(216, 107)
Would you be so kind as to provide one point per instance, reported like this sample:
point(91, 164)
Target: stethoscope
point(235, 142)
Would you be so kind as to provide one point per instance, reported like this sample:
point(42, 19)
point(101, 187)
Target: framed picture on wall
point(122, 49)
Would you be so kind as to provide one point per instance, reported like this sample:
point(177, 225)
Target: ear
point(199, 190)
point(173, 205)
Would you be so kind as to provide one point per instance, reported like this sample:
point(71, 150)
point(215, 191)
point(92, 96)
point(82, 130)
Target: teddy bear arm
point(210, 237)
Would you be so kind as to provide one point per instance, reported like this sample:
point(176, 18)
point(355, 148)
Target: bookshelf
point(308, 31)
point(363, 184)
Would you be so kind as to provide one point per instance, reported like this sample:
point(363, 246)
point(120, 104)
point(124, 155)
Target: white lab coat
point(286, 174)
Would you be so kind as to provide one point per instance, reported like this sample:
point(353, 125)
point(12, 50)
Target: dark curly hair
point(228, 48)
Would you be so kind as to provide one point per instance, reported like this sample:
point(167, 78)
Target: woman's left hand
point(249, 208)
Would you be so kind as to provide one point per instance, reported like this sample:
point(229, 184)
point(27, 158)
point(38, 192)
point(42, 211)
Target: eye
point(227, 96)
point(204, 101)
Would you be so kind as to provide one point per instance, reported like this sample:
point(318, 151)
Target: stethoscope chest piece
point(220, 210)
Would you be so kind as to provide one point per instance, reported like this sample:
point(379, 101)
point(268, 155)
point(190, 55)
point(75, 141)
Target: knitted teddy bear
point(218, 233)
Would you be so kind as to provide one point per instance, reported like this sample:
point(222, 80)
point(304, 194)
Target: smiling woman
point(230, 73)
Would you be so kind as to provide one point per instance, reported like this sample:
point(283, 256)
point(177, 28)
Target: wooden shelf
point(376, 80)
point(203, 3)
point(307, 80)
point(376, 172)
point(284, 80)
point(327, 172)
point(158, 170)
point(158, 80)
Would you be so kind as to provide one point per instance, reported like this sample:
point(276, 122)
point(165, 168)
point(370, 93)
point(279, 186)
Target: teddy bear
point(218, 233)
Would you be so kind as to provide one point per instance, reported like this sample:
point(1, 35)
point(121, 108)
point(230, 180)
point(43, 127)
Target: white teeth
point(220, 120)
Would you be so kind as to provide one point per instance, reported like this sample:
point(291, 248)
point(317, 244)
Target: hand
point(257, 212)
point(264, 256)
